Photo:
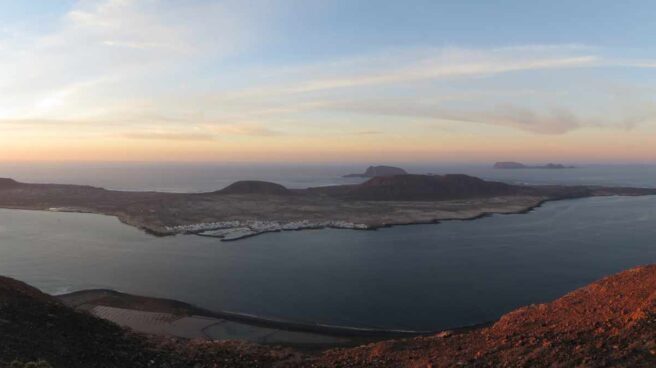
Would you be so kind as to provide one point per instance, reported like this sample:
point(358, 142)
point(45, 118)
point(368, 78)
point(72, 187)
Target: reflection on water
point(408, 277)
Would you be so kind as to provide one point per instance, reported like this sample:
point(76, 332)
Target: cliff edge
point(610, 323)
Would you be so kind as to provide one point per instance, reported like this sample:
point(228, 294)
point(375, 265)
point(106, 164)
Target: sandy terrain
point(249, 208)
point(201, 327)
point(164, 317)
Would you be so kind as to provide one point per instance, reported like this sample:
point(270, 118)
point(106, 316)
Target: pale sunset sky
point(328, 81)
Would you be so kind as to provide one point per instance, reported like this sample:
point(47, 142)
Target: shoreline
point(296, 334)
point(610, 320)
point(359, 227)
point(362, 227)
point(374, 227)
point(329, 224)
point(249, 208)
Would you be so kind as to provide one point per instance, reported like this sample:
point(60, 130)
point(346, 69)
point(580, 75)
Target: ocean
point(211, 177)
point(418, 277)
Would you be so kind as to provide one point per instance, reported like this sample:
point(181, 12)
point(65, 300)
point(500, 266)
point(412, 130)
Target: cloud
point(551, 121)
point(626, 113)
point(445, 84)
point(102, 52)
point(169, 136)
point(354, 84)
point(203, 132)
point(241, 129)
point(416, 65)
point(155, 70)
point(15, 124)
point(434, 69)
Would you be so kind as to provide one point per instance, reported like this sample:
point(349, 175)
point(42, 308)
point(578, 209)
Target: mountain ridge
point(375, 171)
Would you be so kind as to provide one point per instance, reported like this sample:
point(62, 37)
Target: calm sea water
point(420, 277)
point(206, 177)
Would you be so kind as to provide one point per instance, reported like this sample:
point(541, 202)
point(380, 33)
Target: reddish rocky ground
point(611, 323)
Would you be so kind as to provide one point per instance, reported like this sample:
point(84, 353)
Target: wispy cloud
point(368, 132)
point(169, 136)
point(153, 70)
point(551, 121)
point(128, 45)
point(203, 132)
point(416, 65)
point(440, 69)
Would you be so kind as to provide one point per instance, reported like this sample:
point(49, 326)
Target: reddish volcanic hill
point(428, 187)
point(254, 187)
point(611, 323)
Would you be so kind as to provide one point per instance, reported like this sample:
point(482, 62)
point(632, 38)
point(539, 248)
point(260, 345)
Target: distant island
point(519, 165)
point(249, 208)
point(376, 171)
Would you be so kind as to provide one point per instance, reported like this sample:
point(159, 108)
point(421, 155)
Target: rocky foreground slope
point(610, 323)
point(37, 327)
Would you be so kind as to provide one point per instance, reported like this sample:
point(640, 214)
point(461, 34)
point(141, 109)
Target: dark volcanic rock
point(254, 187)
point(555, 166)
point(375, 171)
point(35, 326)
point(6, 183)
point(610, 323)
point(428, 187)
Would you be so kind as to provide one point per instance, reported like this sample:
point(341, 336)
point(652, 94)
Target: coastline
point(248, 208)
point(539, 202)
point(608, 322)
point(140, 310)
point(287, 325)
point(436, 212)
point(204, 228)
point(427, 212)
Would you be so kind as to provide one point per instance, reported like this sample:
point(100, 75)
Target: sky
point(328, 81)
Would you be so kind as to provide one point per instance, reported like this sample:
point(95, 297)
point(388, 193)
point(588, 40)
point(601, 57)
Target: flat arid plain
point(249, 208)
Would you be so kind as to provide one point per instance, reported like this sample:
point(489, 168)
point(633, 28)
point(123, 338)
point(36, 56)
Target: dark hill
point(609, 323)
point(375, 171)
point(518, 165)
point(35, 326)
point(6, 183)
point(428, 187)
point(254, 187)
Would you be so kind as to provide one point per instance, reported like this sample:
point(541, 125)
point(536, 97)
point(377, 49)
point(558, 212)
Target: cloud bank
point(195, 71)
